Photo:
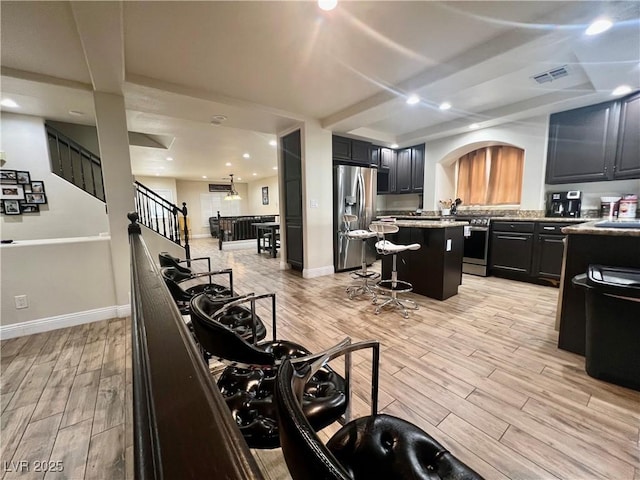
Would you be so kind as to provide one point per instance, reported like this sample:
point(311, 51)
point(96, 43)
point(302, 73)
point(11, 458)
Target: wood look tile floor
point(479, 371)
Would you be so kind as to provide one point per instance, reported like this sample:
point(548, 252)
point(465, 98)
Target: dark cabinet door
point(361, 152)
point(511, 252)
point(550, 249)
point(375, 155)
point(403, 171)
point(627, 163)
point(417, 169)
point(341, 148)
point(292, 175)
point(386, 157)
point(582, 144)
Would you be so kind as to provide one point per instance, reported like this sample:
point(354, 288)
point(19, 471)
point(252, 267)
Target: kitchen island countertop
point(425, 223)
point(590, 228)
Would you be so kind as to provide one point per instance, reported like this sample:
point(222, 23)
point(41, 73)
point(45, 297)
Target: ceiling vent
point(551, 75)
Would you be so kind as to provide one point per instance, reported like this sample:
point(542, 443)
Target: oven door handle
point(479, 229)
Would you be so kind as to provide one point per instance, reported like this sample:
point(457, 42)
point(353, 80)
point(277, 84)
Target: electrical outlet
point(21, 301)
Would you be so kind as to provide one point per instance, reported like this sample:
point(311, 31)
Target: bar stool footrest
point(400, 286)
point(368, 275)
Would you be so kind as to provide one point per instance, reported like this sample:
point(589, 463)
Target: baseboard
point(318, 272)
point(203, 235)
point(239, 244)
point(63, 321)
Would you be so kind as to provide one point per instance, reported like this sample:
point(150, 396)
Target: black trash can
point(612, 342)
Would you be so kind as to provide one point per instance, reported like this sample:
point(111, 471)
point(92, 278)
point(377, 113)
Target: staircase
point(82, 168)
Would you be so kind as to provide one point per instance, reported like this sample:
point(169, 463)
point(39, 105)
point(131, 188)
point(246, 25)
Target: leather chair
point(362, 287)
point(247, 382)
point(376, 446)
point(390, 288)
point(184, 273)
point(174, 279)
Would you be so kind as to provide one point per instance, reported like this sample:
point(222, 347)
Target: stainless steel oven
point(476, 246)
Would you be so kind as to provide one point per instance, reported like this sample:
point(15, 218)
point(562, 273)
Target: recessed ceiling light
point(218, 119)
point(327, 5)
point(413, 99)
point(622, 90)
point(204, 176)
point(228, 164)
point(274, 168)
point(7, 102)
point(239, 178)
point(473, 126)
point(273, 143)
point(254, 174)
point(394, 145)
point(76, 113)
point(445, 106)
point(599, 26)
point(246, 155)
point(157, 174)
point(169, 159)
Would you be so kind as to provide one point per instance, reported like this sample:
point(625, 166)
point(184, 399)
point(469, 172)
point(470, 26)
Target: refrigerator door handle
point(361, 219)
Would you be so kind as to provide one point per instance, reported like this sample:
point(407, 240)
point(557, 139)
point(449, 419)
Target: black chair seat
point(237, 318)
point(182, 296)
point(249, 396)
point(371, 447)
point(388, 447)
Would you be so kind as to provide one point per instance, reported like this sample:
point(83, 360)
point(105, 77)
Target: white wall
point(530, 135)
point(160, 183)
point(70, 212)
point(317, 199)
point(71, 276)
point(254, 197)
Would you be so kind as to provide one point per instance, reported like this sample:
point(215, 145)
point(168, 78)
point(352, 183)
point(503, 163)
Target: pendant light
point(232, 194)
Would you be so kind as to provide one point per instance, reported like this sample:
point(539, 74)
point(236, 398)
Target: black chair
point(376, 446)
point(174, 279)
point(247, 383)
point(184, 273)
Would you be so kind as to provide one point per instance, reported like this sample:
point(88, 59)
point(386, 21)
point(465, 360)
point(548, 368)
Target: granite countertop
point(435, 223)
point(542, 219)
point(590, 228)
point(414, 218)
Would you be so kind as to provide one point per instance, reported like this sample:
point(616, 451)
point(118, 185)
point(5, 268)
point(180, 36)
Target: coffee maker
point(564, 204)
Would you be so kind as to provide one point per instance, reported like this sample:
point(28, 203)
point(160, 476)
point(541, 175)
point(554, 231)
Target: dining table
point(272, 228)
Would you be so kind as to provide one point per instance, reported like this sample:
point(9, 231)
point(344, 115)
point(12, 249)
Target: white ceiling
point(268, 65)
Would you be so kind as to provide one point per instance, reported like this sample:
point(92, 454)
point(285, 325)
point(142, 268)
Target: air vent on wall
point(551, 75)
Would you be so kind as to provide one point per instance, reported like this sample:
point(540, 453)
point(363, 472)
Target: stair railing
point(74, 163)
point(162, 216)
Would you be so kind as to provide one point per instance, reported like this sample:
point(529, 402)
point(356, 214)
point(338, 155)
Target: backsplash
point(585, 213)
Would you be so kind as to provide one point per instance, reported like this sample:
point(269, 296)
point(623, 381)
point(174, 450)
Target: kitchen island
point(588, 244)
point(435, 270)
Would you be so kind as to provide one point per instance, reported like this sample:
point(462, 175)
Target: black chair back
point(306, 456)
point(221, 341)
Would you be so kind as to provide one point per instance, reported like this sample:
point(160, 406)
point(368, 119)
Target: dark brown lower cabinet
point(511, 252)
point(527, 251)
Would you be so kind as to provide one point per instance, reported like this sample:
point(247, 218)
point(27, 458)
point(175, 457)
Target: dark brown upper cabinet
point(595, 143)
point(352, 152)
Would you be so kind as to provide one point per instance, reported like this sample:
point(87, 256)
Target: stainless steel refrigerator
point(354, 192)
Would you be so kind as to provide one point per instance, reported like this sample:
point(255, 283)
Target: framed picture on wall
point(29, 207)
point(37, 186)
point(11, 192)
point(11, 207)
point(39, 198)
point(265, 195)
point(23, 178)
point(8, 176)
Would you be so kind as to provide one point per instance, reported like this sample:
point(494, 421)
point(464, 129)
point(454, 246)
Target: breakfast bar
point(435, 270)
point(592, 243)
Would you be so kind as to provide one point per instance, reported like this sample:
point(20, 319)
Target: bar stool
point(391, 288)
point(363, 275)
